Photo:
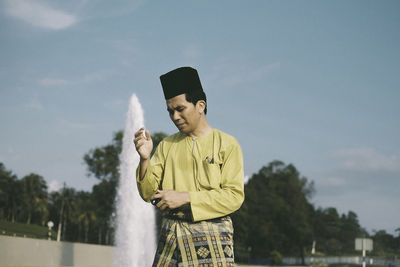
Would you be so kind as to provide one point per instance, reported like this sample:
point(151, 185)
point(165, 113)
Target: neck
point(202, 129)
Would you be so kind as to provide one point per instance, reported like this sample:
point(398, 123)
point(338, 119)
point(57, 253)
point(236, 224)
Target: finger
point(148, 136)
point(160, 203)
point(137, 139)
point(155, 196)
point(140, 132)
point(163, 207)
point(140, 143)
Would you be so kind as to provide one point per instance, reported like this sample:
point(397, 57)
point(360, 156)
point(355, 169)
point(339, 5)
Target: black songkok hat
point(179, 81)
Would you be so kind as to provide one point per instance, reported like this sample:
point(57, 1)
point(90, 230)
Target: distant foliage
point(82, 216)
point(277, 218)
point(277, 213)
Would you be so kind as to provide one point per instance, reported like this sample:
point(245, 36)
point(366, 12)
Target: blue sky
point(313, 83)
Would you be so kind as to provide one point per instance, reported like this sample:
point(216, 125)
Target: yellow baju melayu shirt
point(209, 167)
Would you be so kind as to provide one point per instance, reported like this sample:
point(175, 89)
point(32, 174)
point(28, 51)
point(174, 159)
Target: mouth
point(180, 125)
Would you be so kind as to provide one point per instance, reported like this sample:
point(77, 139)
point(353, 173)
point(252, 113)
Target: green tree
point(157, 137)
point(87, 218)
point(335, 234)
point(327, 227)
point(278, 211)
point(84, 208)
point(10, 192)
point(63, 211)
point(385, 245)
point(85, 214)
point(103, 208)
point(34, 195)
point(68, 197)
point(103, 163)
point(349, 230)
point(241, 225)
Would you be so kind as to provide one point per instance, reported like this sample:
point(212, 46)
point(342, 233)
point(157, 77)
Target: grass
point(24, 230)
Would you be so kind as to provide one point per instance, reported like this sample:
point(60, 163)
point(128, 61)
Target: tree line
point(276, 219)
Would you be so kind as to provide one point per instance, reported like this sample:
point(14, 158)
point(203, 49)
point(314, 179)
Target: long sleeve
point(226, 198)
point(148, 186)
point(216, 188)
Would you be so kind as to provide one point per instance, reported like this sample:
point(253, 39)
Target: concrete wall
point(18, 251)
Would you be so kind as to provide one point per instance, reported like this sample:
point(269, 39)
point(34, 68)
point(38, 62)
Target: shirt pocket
point(211, 176)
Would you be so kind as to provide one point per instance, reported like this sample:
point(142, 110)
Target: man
point(195, 178)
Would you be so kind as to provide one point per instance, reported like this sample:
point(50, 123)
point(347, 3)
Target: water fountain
point(135, 224)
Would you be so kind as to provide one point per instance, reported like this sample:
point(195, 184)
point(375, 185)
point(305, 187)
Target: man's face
point(185, 115)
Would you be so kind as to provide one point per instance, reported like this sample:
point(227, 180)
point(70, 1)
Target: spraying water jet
point(135, 225)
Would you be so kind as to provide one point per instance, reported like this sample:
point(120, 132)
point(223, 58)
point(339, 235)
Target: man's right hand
point(144, 145)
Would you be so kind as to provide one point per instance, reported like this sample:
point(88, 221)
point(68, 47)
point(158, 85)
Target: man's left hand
point(170, 199)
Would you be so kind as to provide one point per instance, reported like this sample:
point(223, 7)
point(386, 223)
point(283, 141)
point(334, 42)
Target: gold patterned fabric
point(188, 244)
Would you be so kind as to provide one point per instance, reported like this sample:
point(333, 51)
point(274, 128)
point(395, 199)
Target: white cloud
point(38, 14)
point(55, 185)
point(366, 159)
point(246, 178)
point(107, 9)
point(50, 82)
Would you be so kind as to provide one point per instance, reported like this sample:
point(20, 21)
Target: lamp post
point(312, 252)
point(50, 224)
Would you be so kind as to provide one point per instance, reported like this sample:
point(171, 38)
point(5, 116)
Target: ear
point(201, 106)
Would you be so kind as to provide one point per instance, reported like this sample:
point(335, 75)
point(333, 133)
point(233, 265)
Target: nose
point(175, 116)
